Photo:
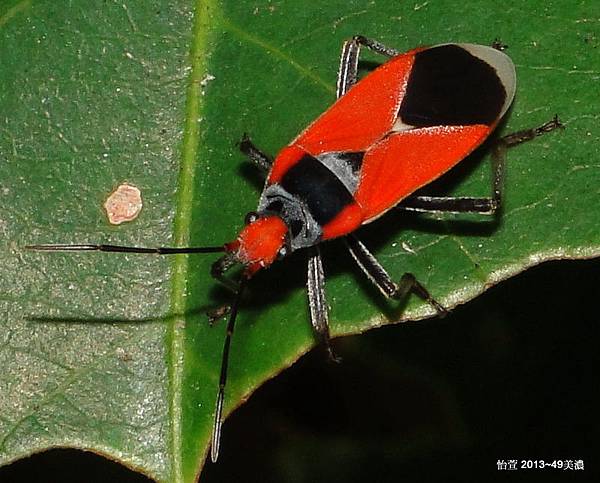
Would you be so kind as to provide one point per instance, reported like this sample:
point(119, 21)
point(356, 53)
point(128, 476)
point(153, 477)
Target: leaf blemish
point(123, 204)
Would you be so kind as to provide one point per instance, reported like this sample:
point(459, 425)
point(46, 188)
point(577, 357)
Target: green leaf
point(112, 353)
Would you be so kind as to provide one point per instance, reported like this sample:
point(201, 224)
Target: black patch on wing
point(449, 86)
point(354, 160)
point(320, 189)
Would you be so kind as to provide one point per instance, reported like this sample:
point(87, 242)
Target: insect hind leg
point(382, 280)
point(485, 205)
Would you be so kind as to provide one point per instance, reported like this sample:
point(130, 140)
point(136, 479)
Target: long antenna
point(123, 249)
point(218, 422)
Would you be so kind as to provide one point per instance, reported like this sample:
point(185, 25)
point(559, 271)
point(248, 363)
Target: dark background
point(511, 375)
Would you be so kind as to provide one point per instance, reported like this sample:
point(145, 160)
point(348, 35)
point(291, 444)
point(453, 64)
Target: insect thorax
point(304, 231)
point(312, 193)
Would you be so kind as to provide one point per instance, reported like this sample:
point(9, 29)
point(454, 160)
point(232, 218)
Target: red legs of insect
point(381, 279)
point(484, 205)
point(348, 71)
point(317, 301)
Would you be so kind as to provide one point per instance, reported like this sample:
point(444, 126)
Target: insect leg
point(258, 158)
point(317, 302)
point(483, 205)
point(218, 313)
point(348, 71)
point(499, 45)
point(381, 279)
point(218, 269)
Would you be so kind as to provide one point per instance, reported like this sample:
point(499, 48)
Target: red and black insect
point(399, 128)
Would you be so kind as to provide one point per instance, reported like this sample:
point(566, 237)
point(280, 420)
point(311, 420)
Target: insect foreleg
point(255, 155)
point(218, 269)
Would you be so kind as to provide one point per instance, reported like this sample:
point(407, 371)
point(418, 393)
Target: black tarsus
point(499, 45)
point(375, 46)
point(217, 313)
point(217, 271)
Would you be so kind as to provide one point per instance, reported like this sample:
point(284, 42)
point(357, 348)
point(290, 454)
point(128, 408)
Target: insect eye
point(251, 217)
point(283, 251)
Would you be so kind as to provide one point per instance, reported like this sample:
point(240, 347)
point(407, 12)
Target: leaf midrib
point(203, 12)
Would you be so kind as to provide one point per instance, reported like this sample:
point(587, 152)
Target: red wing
point(405, 161)
point(364, 114)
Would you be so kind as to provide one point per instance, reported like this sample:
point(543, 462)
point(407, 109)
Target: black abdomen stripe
point(319, 188)
point(450, 86)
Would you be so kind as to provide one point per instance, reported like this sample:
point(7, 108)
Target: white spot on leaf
point(123, 204)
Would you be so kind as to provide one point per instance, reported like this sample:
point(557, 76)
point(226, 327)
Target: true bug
point(401, 127)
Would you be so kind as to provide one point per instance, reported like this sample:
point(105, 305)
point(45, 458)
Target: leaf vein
point(253, 39)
